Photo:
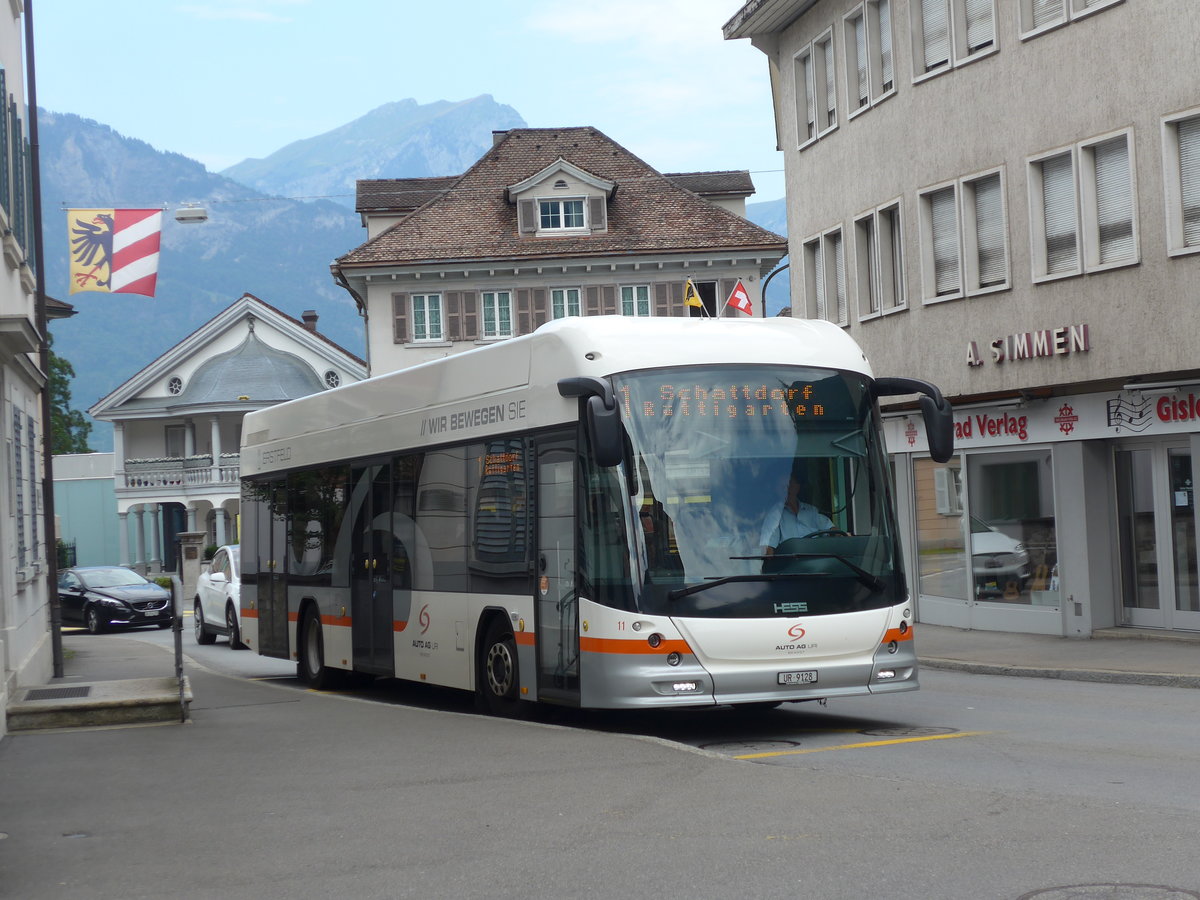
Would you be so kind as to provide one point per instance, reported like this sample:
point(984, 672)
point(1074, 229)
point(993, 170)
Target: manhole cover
point(906, 731)
point(737, 747)
point(63, 693)
point(1111, 892)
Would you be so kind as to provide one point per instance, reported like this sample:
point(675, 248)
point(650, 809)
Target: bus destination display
point(730, 401)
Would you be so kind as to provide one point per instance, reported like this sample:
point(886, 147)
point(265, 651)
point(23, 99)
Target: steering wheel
point(828, 532)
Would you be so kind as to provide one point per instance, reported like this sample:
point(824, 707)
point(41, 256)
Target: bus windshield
point(757, 491)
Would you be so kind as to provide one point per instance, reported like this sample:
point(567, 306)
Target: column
point(140, 542)
point(119, 457)
point(215, 429)
point(123, 534)
point(191, 518)
point(155, 538)
point(219, 519)
point(189, 437)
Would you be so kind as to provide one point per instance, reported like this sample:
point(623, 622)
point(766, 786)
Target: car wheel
point(91, 618)
point(311, 665)
point(499, 676)
point(203, 636)
point(235, 631)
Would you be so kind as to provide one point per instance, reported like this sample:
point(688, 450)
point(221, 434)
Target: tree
point(69, 428)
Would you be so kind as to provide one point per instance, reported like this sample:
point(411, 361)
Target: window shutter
point(608, 294)
point(1189, 179)
point(1114, 200)
point(527, 222)
point(1046, 12)
point(817, 258)
point(981, 30)
point(400, 318)
point(810, 99)
point(662, 299)
point(724, 288)
point(989, 231)
point(944, 219)
point(591, 300)
point(885, 44)
point(935, 30)
point(860, 57)
point(830, 85)
point(4, 142)
point(1058, 204)
point(540, 311)
point(524, 318)
point(470, 316)
point(598, 213)
point(454, 315)
point(675, 291)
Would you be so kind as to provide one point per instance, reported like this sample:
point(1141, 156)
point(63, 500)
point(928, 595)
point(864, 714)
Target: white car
point(217, 609)
point(997, 560)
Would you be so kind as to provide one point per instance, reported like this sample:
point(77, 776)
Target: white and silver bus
point(591, 515)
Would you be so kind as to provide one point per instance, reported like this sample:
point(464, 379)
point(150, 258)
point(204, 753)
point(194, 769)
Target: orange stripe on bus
point(399, 626)
point(895, 634)
point(637, 645)
point(342, 621)
point(524, 638)
point(249, 613)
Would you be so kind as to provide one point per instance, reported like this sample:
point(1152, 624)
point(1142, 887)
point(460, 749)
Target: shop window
point(1014, 545)
point(941, 556)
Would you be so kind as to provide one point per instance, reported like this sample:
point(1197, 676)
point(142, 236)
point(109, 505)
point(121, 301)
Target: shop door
point(555, 592)
point(1156, 524)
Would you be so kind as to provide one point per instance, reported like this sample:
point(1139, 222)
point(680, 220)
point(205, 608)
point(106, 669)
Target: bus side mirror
point(935, 410)
point(602, 419)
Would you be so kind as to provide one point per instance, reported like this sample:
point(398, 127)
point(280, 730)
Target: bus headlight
point(885, 674)
point(684, 687)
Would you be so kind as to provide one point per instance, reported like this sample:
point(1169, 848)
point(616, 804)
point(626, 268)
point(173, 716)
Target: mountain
point(772, 215)
point(398, 140)
point(276, 248)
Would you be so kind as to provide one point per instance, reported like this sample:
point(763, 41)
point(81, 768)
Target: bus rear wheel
point(311, 666)
point(499, 677)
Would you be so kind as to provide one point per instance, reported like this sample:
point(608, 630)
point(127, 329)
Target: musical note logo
point(1129, 415)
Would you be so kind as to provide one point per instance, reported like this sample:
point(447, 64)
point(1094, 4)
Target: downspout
point(340, 280)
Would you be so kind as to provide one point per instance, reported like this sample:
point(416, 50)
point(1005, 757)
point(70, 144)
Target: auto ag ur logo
point(796, 632)
point(424, 618)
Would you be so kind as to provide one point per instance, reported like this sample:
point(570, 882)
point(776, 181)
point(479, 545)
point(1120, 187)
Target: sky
point(220, 81)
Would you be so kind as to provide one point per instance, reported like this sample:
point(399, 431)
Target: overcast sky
point(223, 80)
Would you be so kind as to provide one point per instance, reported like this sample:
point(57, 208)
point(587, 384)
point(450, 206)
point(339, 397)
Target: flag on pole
point(114, 250)
point(691, 297)
point(740, 300)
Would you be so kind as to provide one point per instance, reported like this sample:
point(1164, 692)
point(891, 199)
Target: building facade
point(1004, 198)
point(548, 223)
point(177, 423)
point(25, 647)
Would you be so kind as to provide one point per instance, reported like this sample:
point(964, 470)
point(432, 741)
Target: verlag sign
point(985, 425)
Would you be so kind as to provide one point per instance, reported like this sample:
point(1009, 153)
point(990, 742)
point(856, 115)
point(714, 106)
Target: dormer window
point(561, 185)
point(561, 214)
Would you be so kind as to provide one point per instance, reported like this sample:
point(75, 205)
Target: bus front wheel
point(311, 666)
point(499, 681)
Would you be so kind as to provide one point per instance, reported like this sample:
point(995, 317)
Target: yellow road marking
point(909, 740)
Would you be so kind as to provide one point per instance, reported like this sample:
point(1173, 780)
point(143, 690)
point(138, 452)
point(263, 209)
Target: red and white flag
point(740, 300)
point(114, 250)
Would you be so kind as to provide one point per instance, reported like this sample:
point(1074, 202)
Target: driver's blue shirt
point(786, 524)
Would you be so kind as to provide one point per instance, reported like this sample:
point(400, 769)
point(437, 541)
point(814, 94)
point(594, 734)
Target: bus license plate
point(807, 677)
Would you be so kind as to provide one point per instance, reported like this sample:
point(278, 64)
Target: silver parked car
point(217, 609)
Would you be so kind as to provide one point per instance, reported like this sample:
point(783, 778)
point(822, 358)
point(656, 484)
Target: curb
point(88, 704)
point(1103, 676)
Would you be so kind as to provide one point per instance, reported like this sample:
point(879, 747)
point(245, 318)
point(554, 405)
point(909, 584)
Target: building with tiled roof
point(548, 223)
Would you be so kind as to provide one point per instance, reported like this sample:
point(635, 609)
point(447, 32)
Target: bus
point(591, 515)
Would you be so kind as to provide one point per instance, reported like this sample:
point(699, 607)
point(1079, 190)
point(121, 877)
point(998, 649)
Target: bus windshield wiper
point(715, 582)
point(874, 582)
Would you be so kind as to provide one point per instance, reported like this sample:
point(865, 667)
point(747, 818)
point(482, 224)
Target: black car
point(104, 596)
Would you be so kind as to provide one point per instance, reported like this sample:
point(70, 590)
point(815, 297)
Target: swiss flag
point(740, 300)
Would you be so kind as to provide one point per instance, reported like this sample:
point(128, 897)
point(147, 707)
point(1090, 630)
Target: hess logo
point(796, 632)
point(424, 619)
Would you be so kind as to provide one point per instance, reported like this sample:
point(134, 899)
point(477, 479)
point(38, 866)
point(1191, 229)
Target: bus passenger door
point(371, 569)
point(555, 593)
point(271, 540)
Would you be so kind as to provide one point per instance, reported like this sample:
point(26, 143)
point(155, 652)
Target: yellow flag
point(691, 297)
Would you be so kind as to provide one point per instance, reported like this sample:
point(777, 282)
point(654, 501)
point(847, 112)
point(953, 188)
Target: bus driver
point(793, 519)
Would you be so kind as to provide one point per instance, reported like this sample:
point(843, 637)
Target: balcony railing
point(181, 472)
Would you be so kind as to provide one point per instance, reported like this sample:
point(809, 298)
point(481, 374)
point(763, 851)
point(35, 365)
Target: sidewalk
point(128, 680)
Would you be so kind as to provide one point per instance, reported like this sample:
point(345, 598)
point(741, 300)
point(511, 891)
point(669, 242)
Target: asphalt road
point(973, 787)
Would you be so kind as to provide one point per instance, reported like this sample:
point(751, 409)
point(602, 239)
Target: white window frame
point(1086, 218)
point(564, 298)
point(1174, 185)
point(969, 222)
point(878, 36)
point(812, 67)
point(423, 320)
point(560, 214)
point(925, 205)
point(824, 257)
point(879, 261)
point(639, 295)
point(495, 303)
point(959, 52)
point(1068, 11)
